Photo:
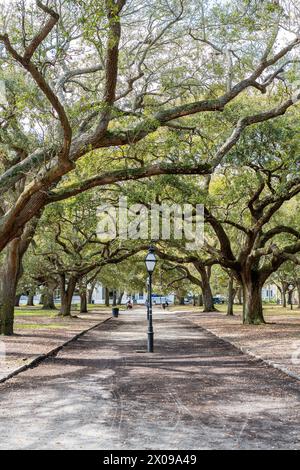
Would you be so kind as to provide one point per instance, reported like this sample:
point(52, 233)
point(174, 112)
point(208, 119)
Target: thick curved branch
point(221, 235)
point(126, 175)
point(277, 231)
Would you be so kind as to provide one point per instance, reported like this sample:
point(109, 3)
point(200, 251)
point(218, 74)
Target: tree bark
point(8, 286)
point(253, 307)
point(283, 299)
point(106, 297)
point(10, 274)
point(208, 301)
point(17, 301)
point(284, 289)
point(30, 302)
point(204, 283)
point(231, 296)
point(114, 298)
point(48, 299)
point(83, 302)
point(200, 300)
point(66, 294)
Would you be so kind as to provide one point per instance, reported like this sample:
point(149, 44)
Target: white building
point(139, 298)
point(270, 293)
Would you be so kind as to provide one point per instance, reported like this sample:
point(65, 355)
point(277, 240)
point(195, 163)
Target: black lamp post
point(150, 265)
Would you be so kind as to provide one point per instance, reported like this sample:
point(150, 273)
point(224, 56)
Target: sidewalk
point(38, 335)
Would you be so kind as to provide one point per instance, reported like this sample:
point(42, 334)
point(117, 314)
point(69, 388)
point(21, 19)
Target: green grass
point(32, 326)
point(34, 312)
point(269, 309)
point(37, 311)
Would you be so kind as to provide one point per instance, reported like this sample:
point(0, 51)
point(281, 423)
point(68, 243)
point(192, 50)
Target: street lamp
point(150, 265)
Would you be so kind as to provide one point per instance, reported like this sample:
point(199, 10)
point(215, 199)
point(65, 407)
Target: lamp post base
point(150, 341)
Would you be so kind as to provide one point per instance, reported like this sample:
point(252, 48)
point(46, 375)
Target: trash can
point(115, 312)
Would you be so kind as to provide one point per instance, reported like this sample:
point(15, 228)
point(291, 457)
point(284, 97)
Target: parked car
point(219, 300)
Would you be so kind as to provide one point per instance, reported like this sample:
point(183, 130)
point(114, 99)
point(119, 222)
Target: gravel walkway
point(194, 392)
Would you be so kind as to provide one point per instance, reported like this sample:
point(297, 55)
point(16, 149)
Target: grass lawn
point(269, 309)
point(34, 312)
point(37, 311)
point(33, 326)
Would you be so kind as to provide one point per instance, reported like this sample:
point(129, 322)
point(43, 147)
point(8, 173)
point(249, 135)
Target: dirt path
point(45, 334)
point(194, 392)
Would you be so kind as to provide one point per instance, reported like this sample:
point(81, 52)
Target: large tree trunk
point(283, 299)
point(30, 302)
point(200, 300)
point(48, 299)
point(208, 302)
point(10, 274)
point(83, 302)
point(114, 303)
point(207, 297)
point(283, 291)
point(106, 297)
point(8, 286)
point(231, 296)
point(253, 308)
point(66, 295)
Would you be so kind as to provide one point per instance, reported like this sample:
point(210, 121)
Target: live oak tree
point(251, 206)
point(10, 272)
point(224, 283)
point(90, 80)
point(252, 230)
point(283, 278)
point(287, 280)
point(37, 279)
point(68, 247)
point(193, 268)
point(139, 68)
